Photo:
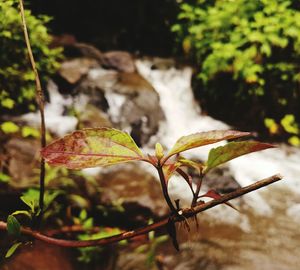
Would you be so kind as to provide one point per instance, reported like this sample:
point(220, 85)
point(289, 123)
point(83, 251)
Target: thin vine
point(40, 101)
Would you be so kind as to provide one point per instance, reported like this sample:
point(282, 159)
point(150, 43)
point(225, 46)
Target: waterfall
point(183, 117)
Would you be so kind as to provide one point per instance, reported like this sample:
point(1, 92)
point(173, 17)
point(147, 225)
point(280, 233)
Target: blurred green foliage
point(17, 83)
point(255, 46)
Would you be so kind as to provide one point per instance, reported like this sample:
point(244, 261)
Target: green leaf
point(13, 225)
point(233, 150)
point(12, 249)
point(4, 177)
point(22, 212)
point(93, 147)
point(204, 138)
point(190, 164)
point(29, 201)
point(9, 127)
point(159, 151)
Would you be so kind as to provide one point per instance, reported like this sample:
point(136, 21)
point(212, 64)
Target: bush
point(248, 54)
point(17, 84)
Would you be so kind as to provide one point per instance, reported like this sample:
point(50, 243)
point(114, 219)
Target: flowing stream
point(266, 234)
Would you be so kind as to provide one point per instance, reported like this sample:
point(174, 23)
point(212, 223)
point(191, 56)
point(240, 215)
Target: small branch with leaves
point(95, 147)
point(187, 213)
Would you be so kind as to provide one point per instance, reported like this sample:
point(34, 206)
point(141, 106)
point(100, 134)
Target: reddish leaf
point(169, 169)
point(215, 195)
point(204, 138)
point(233, 150)
point(91, 148)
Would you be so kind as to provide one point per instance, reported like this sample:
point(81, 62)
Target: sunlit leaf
point(159, 151)
point(233, 150)
point(204, 138)
point(91, 148)
point(13, 225)
point(190, 163)
point(22, 212)
point(12, 249)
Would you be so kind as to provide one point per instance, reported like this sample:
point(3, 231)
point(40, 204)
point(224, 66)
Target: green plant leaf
point(91, 148)
point(31, 202)
point(159, 151)
point(190, 164)
point(204, 138)
point(233, 150)
point(22, 212)
point(13, 225)
point(12, 249)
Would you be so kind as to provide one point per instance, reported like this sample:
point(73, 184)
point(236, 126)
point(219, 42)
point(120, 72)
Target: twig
point(187, 213)
point(40, 102)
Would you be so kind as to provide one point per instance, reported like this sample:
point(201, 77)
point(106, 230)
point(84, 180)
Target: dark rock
point(22, 159)
point(141, 110)
point(40, 256)
point(130, 101)
point(133, 185)
point(221, 180)
point(118, 60)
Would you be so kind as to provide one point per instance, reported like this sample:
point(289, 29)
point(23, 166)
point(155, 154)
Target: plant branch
point(199, 184)
point(40, 102)
point(165, 189)
point(187, 213)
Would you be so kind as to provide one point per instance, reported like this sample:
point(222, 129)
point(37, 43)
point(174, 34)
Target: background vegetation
point(247, 55)
point(17, 85)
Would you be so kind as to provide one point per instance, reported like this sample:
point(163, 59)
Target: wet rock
point(73, 70)
point(133, 185)
point(119, 60)
point(221, 180)
point(93, 117)
point(22, 159)
point(133, 104)
point(39, 256)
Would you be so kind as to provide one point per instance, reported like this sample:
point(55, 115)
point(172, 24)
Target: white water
point(56, 122)
point(183, 117)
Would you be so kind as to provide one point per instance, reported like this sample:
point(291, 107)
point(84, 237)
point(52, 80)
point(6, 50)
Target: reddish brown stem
point(187, 213)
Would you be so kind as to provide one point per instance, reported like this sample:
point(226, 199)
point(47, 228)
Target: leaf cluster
point(255, 43)
point(17, 81)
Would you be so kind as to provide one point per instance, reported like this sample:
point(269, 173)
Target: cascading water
point(270, 231)
point(183, 117)
point(268, 236)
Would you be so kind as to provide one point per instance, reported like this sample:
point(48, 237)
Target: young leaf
point(22, 212)
point(91, 148)
point(204, 138)
point(159, 151)
point(190, 164)
point(12, 249)
point(169, 169)
point(29, 201)
point(233, 150)
point(13, 225)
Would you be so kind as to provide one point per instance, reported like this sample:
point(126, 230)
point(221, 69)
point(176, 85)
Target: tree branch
point(40, 102)
point(187, 213)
